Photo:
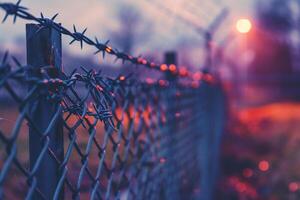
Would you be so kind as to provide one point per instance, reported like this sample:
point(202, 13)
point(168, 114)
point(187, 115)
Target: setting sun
point(243, 25)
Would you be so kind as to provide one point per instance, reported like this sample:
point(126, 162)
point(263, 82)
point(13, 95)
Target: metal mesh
point(121, 138)
point(104, 138)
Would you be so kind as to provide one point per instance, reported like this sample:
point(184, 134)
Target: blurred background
point(252, 46)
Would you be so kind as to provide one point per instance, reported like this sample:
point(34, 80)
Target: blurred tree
point(275, 15)
point(273, 62)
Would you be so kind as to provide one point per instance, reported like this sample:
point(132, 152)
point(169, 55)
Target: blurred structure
point(131, 28)
point(272, 66)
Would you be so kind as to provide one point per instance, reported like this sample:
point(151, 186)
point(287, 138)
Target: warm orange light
point(264, 165)
point(243, 25)
point(172, 68)
point(183, 71)
point(122, 78)
point(197, 76)
point(163, 67)
point(144, 62)
point(108, 49)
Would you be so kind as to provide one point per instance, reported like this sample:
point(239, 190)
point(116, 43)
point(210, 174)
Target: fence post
point(172, 191)
point(44, 49)
point(213, 103)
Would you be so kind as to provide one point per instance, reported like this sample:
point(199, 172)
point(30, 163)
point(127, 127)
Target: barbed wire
point(16, 10)
point(101, 137)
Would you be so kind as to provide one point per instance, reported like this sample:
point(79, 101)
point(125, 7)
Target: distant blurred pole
point(172, 191)
point(212, 105)
point(207, 33)
point(208, 51)
point(44, 50)
point(171, 57)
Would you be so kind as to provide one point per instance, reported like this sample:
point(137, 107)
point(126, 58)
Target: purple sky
point(99, 16)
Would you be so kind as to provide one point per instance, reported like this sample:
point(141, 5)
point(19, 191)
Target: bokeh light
point(293, 186)
point(248, 173)
point(243, 25)
point(263, 165)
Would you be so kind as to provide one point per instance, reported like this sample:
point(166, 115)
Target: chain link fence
point(87, 136)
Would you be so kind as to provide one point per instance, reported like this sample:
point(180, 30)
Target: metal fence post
point(213, 102)
point(44, 49)
point(172, 192)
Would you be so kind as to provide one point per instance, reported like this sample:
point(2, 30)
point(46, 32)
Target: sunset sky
point(100, 17)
